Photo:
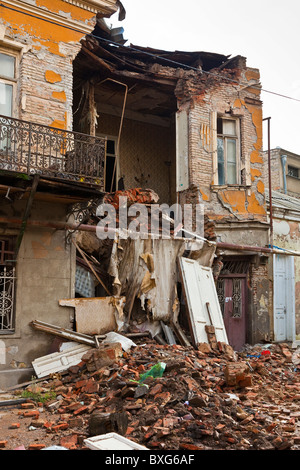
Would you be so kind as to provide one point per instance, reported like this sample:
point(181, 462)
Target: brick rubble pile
point(201, 399)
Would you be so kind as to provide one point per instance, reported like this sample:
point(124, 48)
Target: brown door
point(232, 297)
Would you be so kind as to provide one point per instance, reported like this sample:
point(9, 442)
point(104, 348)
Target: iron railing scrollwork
point(7, 296)
point(31, 148)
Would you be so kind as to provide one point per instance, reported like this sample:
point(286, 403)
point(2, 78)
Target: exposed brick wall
point(208, 98)
point(45, 88)
point(46, 51)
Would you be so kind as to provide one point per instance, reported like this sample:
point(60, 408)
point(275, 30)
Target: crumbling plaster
point(46, 34)
point(45, 274)
point(212, 97)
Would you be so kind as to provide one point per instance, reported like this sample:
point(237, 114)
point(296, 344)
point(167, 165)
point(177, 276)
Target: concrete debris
point(200, 400)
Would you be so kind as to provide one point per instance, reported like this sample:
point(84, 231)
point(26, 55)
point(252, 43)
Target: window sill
point(219, 187)
point(293, 177)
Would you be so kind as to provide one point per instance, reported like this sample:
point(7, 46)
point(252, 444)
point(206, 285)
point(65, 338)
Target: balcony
point(29, 148)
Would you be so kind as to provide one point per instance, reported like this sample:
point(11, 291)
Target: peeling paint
point(235, 199)
point(255, 173)
point(52, 77)
point(59, 123)
point(59, 95)
point(66, 9)
point(260, 187)
point(205, 197)
point(47, 34)
point(252, 74)
point(256, 157)
point(257, 121)
point(254, 207)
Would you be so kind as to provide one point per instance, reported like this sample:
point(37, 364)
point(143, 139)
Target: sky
point(266, 32)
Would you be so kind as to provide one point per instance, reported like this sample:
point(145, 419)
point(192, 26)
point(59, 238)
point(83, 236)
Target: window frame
point(291, 167)
point(112, 156)
point(225, 138)
point(8, 281)
point(9, 80)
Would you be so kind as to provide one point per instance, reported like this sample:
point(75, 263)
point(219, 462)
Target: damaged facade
point(104, 120)
point(38, 43)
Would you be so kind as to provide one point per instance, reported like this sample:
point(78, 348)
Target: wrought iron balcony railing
point(30, 148)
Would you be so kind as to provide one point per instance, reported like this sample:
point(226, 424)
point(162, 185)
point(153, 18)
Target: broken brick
point(36, 446)
point(60, 427)
point(199, 396)
point(156, 389)
point(69, 442)
point(31, 414)
point(14, 426)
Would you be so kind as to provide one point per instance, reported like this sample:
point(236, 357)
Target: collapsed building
point(93, 120)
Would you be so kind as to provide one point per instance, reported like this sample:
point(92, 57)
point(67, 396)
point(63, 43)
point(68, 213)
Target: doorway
point(231, 290)
point(284, 298)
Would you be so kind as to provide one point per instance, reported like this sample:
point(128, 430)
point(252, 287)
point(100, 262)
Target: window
point(293, 171)
point(7, 285)
point(228, 151)
point(7, 83)
point(110, 165)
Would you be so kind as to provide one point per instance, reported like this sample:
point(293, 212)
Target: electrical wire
point(155, 56)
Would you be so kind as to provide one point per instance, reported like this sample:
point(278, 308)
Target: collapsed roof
point(151, 75)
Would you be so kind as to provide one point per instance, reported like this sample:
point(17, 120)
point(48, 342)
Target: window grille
point(7, 286)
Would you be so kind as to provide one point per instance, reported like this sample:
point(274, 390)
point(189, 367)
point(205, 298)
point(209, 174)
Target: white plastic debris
point(112, 441)
point(113, 337)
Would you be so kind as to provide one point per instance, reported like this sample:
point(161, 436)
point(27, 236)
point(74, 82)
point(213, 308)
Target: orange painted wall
point(45, 92)
point(43, 33)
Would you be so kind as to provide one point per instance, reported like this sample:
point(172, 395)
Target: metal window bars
point(30, 148)
point(7, 296)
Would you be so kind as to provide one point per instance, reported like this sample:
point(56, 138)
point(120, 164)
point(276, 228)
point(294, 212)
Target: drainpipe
point(283, 163)
point(94, 228)
point(270, 183)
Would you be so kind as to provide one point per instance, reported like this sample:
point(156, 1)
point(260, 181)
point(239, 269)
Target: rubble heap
point(174, 397)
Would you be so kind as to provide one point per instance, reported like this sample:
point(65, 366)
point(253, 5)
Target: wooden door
point(232, 298)
point(202, 301)
point(284, 298)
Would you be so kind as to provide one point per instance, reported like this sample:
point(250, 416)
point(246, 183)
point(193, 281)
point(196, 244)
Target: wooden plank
point(202, 301)
point(91, 267)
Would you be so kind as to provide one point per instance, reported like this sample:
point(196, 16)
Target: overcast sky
point(266, 32)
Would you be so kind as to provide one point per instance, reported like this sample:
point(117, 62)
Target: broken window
point(228, 151)
point(7, 285)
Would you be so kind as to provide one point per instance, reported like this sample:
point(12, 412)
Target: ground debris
point(246, 401)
